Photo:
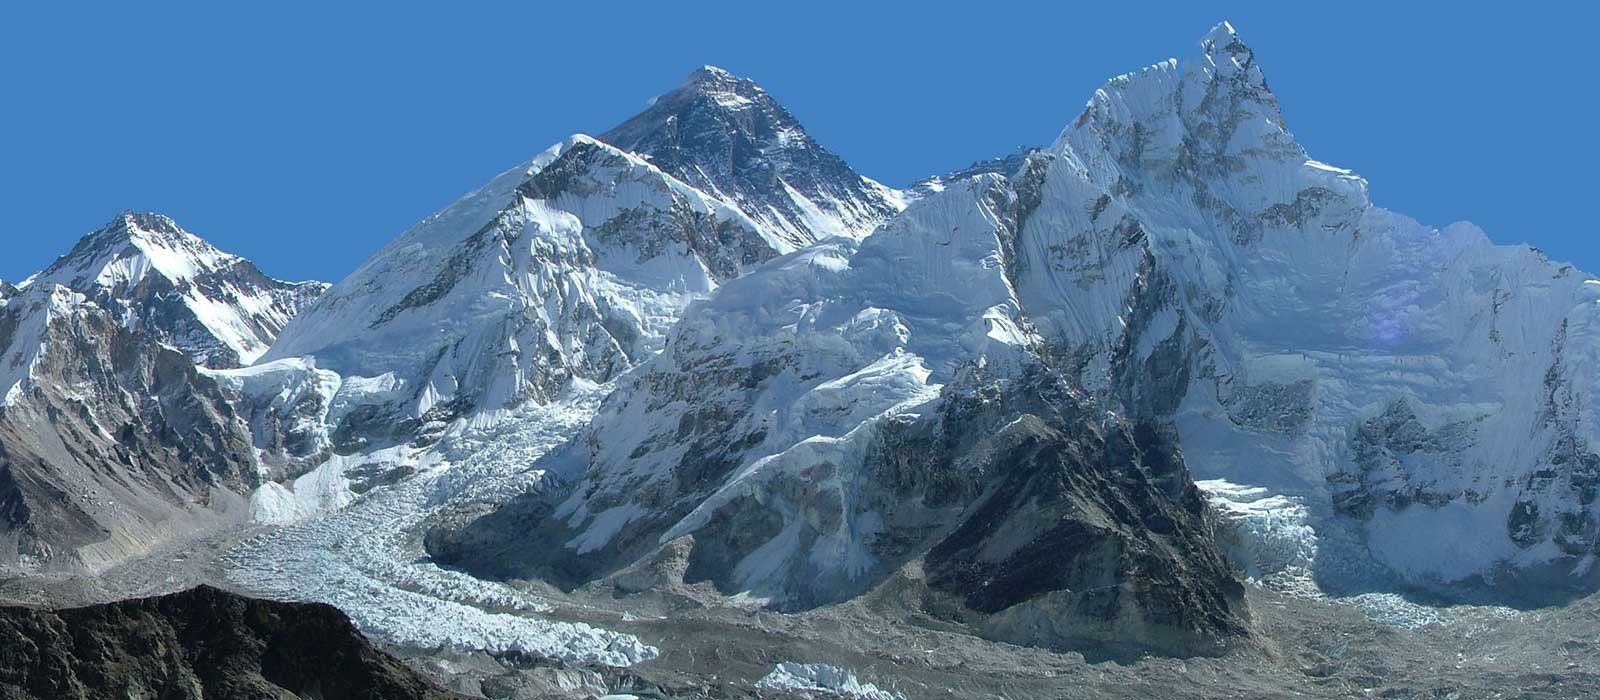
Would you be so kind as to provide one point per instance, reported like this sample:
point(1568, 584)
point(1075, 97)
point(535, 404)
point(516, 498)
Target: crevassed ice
point(367, 560)
point(822, 678)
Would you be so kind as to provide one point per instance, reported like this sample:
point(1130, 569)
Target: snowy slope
point(725, 136)
point(1421, 382)
point(1006, 165)
point(573, 265)
point(849, 409)
point(1417, 396)
point(114, 436)
point(154, 276)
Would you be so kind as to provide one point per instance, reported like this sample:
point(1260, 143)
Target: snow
point(367, 559)
point(1309, 314)
point(231, 309)
point(1268, 535)
point(560, 288)
point(1453, 542)
point(1310, 311)
point(822, 678)
point(1304, 316)
point(869, 331)
point(605, 526)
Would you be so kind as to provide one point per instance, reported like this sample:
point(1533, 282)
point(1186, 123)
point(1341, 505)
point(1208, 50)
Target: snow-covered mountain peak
point(130, 247)
point(1228, 61)
point(728, 137)
point(1222, 44)
point(154, 276)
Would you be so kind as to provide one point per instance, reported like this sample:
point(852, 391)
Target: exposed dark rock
point(1034, 519)
point(201, 643)
point(727, 137)
point(118, 443)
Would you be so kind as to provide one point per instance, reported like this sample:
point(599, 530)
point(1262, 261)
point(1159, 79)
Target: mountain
point(1420, 388)
point(196, 644)
point(152, 275)
point(572, 266)
point(1173, 270)
point(849, 416)
point(725, 136)
point(1004, 165)
point(568, 268)
point(986, 399)
point(113, 436)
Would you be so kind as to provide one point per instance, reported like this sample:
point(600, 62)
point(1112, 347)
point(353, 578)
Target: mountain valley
point(693, 409)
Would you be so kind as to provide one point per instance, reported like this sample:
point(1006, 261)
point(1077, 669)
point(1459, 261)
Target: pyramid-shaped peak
point(724, 135)
point(1221, 35)
point(712, 75)
point(1227, 54)
point(130, 221)
point(719, 89)
point(153, 241)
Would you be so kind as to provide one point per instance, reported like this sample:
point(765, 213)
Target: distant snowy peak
point(154, 276)
point(726, 136)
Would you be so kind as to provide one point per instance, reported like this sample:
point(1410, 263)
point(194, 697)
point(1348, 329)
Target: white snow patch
point(825, 679)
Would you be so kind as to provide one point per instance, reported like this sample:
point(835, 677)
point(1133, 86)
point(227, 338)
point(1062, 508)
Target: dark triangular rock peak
point(726, 136)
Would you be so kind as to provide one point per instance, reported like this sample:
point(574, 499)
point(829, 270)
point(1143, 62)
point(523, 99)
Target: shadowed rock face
point(1026, 516)
point(726, 136)
point(112, 443)
point(201, 643)
point(1092, 540)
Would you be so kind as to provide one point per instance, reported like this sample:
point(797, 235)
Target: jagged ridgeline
point(114, 434)
point(986, 396)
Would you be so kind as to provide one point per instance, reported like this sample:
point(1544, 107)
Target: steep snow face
point(727, 137)
point(155, 277)
point(1183, 250)
point(571, 266)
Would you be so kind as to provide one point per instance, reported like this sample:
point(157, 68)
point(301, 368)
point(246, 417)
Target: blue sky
point(304, 136)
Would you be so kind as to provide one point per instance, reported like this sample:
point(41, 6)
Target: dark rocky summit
point(201, 643)
point(725, 136)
